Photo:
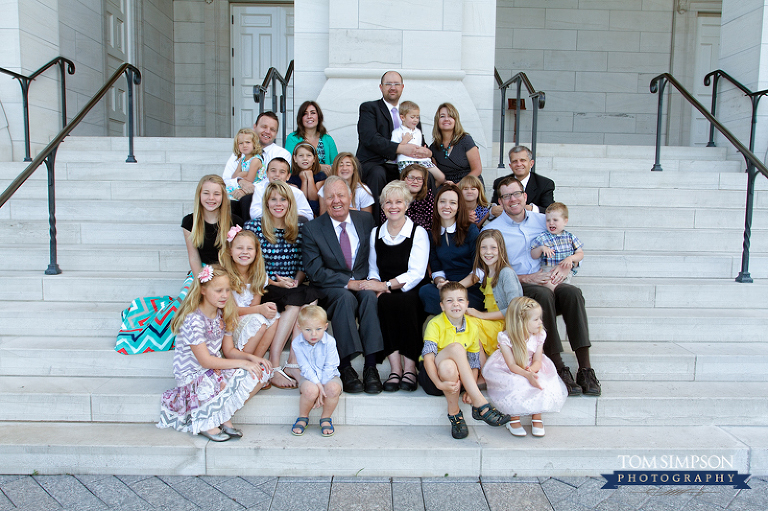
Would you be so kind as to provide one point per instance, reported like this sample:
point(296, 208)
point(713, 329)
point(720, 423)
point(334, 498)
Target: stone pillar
point(29, 38)
point(443, 48)
point(744, 55)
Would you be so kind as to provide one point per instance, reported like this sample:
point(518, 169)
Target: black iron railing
point(272, 78)
point(754, 165)
point(48, 154)
point(753, 96)
point(538, 98)
point(25, 81)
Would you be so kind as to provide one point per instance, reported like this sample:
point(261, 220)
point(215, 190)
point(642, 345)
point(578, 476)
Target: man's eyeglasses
point(508, 196)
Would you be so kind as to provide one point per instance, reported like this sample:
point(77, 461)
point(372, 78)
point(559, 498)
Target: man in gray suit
point(335, 251)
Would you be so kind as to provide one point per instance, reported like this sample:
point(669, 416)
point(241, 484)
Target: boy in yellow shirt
point(451, 358)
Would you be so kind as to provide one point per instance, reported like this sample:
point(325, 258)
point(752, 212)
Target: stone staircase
point(680, 348)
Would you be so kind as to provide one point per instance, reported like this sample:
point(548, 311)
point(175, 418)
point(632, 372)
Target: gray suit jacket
point(323, 260)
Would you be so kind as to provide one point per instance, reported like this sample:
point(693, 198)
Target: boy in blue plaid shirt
point(557, 247)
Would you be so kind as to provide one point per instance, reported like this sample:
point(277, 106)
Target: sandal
point(490, 415)
point(536, 431)
point(300, 427)
point(408, 383)
point(293, 383)
point(459, 427)
point(392, 384)
point(324, 428)
point(516, 431)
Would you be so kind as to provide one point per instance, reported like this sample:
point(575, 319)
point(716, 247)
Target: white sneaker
point(519, 431)
point(537, 431)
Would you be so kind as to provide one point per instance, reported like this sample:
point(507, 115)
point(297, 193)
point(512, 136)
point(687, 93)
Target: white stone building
point(200, 58)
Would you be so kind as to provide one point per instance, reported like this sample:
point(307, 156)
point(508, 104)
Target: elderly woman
point(397, 265)
point(420, 211)
point(310, 129)
point(452, 249)
point(453, 150)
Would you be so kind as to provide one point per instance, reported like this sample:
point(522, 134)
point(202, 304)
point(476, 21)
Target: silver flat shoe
point(218, 437)
point(234, 433)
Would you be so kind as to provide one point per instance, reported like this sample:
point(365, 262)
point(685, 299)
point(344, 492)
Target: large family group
point(378, 243)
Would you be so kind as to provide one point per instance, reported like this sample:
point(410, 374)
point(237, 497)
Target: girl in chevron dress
point(210, 388)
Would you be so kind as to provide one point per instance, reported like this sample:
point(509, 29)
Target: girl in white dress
point(521, 379)
point(258, 321)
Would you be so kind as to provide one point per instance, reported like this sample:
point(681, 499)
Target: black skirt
point(296, 296)
point(402, 316)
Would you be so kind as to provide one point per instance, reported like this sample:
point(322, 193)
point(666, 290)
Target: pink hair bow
point(206, 274)
point(233, 232)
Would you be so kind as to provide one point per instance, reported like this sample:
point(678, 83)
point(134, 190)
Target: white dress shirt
point(418, 260)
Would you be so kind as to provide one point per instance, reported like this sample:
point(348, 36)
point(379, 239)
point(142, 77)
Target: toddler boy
point(320, 382)
point(279, 170)
point(557, 247)
point(451, 358)
point(409, 133)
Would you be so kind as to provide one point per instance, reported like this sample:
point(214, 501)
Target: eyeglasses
point(414, 179)
point(392, 84)
point(508, 196)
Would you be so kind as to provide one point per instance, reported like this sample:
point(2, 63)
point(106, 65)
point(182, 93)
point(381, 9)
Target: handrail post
point(131, 77)
point(501, 127)
point(716, 77)
point(744, 276)
point(517, 113)
point(50, 163)
point(534, 129)
point(283, 108)
point(63, 74)
point(660, 85)
point(24, 82)
point(755, 100)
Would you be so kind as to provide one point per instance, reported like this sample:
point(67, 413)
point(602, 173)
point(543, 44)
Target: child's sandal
point(515, 431)
point(459, 427)
point(536, 431)
point(326, 425)
point(490, 415)
point(300, 427)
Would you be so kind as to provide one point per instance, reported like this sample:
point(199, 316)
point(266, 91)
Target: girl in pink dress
point(521, 379)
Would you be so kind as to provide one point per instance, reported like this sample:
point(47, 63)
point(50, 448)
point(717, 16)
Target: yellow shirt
point(441, 331)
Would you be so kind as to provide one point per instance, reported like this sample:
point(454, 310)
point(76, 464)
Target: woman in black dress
point(453, 150)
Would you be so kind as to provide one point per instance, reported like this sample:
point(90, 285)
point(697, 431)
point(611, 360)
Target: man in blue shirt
point(519, 226)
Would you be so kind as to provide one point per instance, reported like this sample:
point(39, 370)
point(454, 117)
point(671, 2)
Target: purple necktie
point(395, 118)
point(346, 248)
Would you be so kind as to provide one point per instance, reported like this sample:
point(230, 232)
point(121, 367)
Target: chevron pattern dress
point(146, 324)
point(204, 398)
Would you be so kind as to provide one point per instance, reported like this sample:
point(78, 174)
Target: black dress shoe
point(565, 374)
point(350, 382)
point(393, 383)
point(371, 381)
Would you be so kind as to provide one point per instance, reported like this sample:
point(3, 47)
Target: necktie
point(395, 118)
point(346, 248)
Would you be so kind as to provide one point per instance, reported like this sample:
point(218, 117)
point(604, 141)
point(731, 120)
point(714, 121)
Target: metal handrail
point(538, 97)
point(48, 154)
point(754, 165)
point(25, 81)
point(259, 91)
point(753, 96)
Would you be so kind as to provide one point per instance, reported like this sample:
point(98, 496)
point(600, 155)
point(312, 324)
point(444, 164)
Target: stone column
point(443, 48)
point(744, 55)
point(29, 38)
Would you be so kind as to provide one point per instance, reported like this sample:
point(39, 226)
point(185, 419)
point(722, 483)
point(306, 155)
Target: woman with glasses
point(453, 150)
point(420, 209)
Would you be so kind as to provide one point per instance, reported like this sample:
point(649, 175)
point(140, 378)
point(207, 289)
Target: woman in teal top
point(309, 128)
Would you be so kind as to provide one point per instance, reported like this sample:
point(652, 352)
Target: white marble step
point(367, 451)
point(615, 361)
point(120, 399)
point(115, 169)
point(678, 180)
point(169, 144)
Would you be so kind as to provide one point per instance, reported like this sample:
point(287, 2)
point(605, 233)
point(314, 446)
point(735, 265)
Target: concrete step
point(596, 178)
point(169, 144)
point(131, 233)
point(150, 258)
point(120, 171)
point(368, 451)
point(716, 265)
point(100, 210)
point(615, 361)
point(119, 399)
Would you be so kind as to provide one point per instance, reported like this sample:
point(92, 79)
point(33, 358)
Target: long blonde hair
point(195, 297)
point(225, 214)
point(355, 180)
point(470, 181)
point(291, 216)
point(502, 262)
point(257, 149)
point(518, 313)
point(458, 130)
point(255, 275)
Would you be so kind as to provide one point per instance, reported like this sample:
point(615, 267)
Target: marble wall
point(158, 68)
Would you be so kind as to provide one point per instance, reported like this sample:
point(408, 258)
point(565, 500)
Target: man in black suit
point(335, 253)
point(375, 150)
point(539, 189)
